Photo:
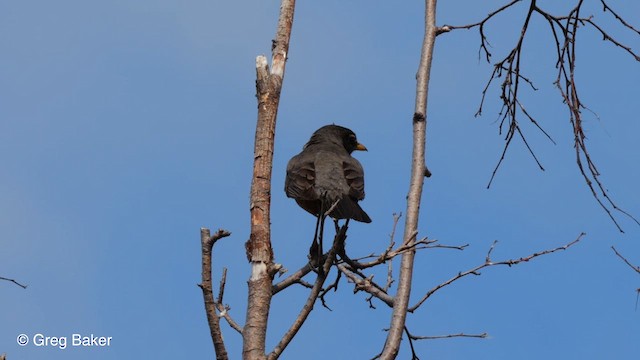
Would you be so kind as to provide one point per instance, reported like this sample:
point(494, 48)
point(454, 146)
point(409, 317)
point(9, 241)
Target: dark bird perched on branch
point(325, 179)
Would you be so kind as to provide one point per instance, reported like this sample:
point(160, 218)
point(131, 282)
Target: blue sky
point(127, 126)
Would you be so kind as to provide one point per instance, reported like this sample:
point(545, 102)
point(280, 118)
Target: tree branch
point(313, 295)
point(606, 8)
point(414, 355)
point(488, 262)
point(13, 281)
point(412, 338)
point(389, 254)
point(207, 241)
point(295, 278)
point(401, 301)
point(564, 30)
point(481, 336)
point(368, 285)
point(333, 286)
point(484, 43)
point(258, 247)
point(351, 268)
point(224, 309)
point(635, 268)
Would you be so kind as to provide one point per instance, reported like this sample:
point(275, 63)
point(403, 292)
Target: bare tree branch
point(483, 39)
point(566, 84)
point(390, 280)
point(392, 235)
point(295, 278)
point(607, 37)
point(414, 355)
point(258, 247)
point(488, 262)
point(399, 314)
point(362, 282)
point(606, 8)
point(333, 286)
point(635, 268)
point(366, 284)
point(564, 30)
point(481, 336)
point(412, 338)
point(224, 309)
point(207, 241)
point(313, 295)
point(13, 281)
point(389, 253)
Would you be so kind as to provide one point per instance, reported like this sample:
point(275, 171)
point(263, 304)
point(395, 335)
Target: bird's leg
point(315, 251)
point(316, 255)
point(320, 250)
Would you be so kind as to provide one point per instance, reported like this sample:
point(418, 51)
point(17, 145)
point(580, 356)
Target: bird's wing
point(301, 175)
point(355, 177)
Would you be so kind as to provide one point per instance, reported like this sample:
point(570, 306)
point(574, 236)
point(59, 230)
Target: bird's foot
point(316, 261)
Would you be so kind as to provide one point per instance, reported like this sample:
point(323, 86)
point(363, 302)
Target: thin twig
point(635, 268)
point(295, 278)
point(618, 17)
point(13, 281)
point(483, 39)
point(564, 30)
point(333, 286)
point(414, 356)
point(481, 336)
point(224, 313)
point(362, 283)
point(223, 282)
point(488, 262)
point(224, 309)
point(389, 254)
point(396, 218)
point(609, 38)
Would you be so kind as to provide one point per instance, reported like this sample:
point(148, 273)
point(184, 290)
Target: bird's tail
point(347, 208)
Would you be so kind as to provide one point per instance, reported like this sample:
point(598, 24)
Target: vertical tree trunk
point(258, 247)
point(418, 168)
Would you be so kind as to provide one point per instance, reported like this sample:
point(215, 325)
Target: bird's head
point(338, 135)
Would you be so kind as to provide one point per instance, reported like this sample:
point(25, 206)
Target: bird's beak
point(361, 147)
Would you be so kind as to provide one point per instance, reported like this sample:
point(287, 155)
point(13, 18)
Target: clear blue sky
point(126, 126)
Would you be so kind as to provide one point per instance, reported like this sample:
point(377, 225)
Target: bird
point(325, 180)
